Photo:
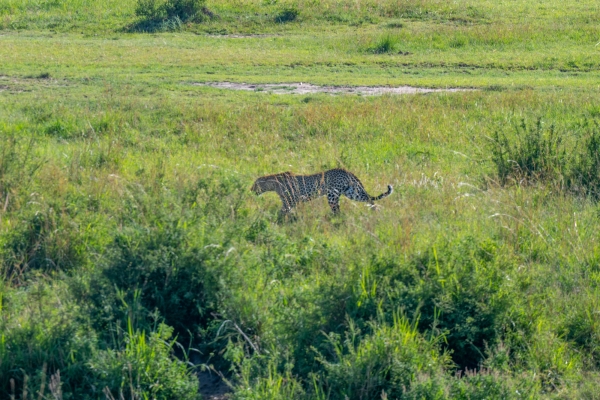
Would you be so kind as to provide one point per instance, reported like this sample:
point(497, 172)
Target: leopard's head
point(260, 186)
point(269, 183)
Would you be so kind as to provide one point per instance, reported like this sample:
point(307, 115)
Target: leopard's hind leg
point(357, 193)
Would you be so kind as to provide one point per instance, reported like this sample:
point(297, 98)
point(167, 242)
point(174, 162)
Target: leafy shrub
point(479, 384)
point(386, 361)
point(184, 10)
point(172, 278)
point(162, 256)
point(46, 242)
point(489, 384)
point(60, 129)
point(43, 332)
point(537, 154)
point(581, 325)
point(455, 288)
point(288, 14)
point(553, 359)
point(325, 308)
point(385, 44)
point(269, 383)
point(150, 9)
point(584, 175)
point(396, 361)
point(144, 368)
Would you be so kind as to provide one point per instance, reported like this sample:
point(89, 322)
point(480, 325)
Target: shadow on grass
point(172, 15)
point(288, 14)
point(155, 25)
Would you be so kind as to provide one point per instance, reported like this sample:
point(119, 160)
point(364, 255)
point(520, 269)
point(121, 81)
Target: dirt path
point(307, 88)
point(212, 386)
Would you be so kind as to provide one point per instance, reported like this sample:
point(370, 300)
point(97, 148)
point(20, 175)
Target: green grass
point(129, 238)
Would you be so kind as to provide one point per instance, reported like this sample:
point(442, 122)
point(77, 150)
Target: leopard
point(293, 189)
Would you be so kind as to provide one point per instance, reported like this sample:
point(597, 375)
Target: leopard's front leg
point(287, 203)
point(333, 198)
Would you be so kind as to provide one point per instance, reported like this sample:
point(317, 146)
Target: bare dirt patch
point(29, 83)
point(239, 36)
point(307, 88)
point(212, 386)
point(12, 89)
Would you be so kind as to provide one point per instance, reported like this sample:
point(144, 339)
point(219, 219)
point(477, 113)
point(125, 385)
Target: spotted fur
point(293, 189)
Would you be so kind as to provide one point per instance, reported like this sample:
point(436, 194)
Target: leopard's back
point(308, 187)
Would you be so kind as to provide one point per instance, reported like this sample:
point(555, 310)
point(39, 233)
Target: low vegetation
point(168, 15)
point(385, 44)
point(565, 161)
point(133, 254)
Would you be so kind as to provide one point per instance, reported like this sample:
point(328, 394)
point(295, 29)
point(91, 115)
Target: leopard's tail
point(382, 195)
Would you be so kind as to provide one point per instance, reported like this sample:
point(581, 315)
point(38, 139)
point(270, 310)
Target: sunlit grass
point(125, 203)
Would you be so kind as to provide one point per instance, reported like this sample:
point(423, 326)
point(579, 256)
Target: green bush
point(385, 44)
point(538, 154)
point(386, 361)
point(288, 14)
point(582, 328)
point(144, 368)
point(323, 308)
point(60, 129)
point(455, 288)
point(584, 175)
point(185, 10)
point(160, 10)
point(150, 9)
point(259, 378)
point(43, 331)
point(171, 276)
point(45, 338)
point(168, 257)
point(489, 384)
point(45, 241)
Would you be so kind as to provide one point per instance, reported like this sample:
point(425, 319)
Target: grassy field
point(131, 245)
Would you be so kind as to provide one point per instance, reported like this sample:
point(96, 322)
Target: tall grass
point(168, 15)
point(131, 236)
point(539, 155)
point(385, 44)
point(109, 15)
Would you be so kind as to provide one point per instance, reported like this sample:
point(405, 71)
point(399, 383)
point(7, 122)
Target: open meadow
point(134, 259)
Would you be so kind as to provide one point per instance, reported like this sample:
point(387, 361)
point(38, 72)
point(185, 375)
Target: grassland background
point(126, 223)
